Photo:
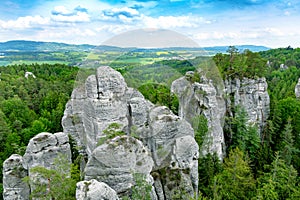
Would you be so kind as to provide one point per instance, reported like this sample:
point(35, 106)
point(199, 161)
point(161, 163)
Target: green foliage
point(287, 56)
point(201, 128)
point(242, 135)
point(141, 189)
point(281, 181)
point(112, 131)
point(239, 65)
point(161, 95)
point(30, 106)
point(208, 167)
point(52, 183)
point(236, 180)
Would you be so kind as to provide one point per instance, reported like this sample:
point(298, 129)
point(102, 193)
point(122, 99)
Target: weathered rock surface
point(166, 140)
point(44, 148)
point(202, 99)
point(104, 99)
point(297, 89)
point(252, 95)
point(94, 190)
point(116, 161)
point(42, 151)
point(13, 173)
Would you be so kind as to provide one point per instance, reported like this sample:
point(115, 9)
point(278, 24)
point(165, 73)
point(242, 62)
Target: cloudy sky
point(272, 23)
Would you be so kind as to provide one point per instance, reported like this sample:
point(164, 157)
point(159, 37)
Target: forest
point(265, 166)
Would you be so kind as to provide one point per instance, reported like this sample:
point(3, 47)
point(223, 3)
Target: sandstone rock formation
point(94, 190)
point(41, 151)
point(105, 99)
point(44, 148)
point(252, 95)
point(116, 161)
point(202, 99)
point(205, 99)
point(13, 173)
point(297, 89)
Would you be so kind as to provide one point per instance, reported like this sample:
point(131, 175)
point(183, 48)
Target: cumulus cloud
point(124, 14)
point(62, 14)
point(24, 22)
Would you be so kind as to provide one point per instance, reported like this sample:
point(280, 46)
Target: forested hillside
point(256, 166)
point(31, 105)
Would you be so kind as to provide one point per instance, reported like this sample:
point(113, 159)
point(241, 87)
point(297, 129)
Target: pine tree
point(236, 180)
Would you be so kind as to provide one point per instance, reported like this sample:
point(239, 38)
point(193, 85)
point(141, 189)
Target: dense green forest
point(265, 167)
point(31, 105)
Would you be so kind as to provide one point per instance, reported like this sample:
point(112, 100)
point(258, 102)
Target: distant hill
point(223, 49)
point(34, 46)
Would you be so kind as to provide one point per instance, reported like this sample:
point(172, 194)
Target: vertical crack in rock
point(156, 128)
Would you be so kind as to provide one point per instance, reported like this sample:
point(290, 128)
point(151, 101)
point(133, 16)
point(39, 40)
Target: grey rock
point(105, 99)
point(202, 99)
point(252, 95)
point(94, 190)
point(116, 161)
point(297, 89)
point(14, 188)
point(44, 148)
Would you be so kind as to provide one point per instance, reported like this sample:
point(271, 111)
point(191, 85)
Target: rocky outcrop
point(94, 190)
point(297, 89)
point(202, 99)
point(41, 151)
point(165, 141)
point(116, 161)
point(44, 148)
point(104, 99)
point(13, 173)
point(252, 95)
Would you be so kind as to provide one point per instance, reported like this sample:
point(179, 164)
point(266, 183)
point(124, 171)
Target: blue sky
point(272, 23)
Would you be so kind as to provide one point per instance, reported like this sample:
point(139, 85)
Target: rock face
point(165, 141)
point(104, 99)
point(297, 89)
point(116, 161)
point(41, 151)
point(252, 95)
point(13, 173)
point(94, 190)
point(202, 99)
point(44, 148)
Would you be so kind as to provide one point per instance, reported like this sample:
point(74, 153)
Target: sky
point(271, 23)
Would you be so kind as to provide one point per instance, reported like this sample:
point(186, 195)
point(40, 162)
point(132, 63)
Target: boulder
point(14, 188)
point(94, 190)
point(44, 148)
point(116, 161)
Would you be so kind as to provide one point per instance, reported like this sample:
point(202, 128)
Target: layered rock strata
point(165, 142)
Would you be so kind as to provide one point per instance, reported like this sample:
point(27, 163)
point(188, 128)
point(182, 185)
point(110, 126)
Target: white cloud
point(78, 17)
point(62, 14)
point(24, 22)
point(124, 14)
point(61, 10)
